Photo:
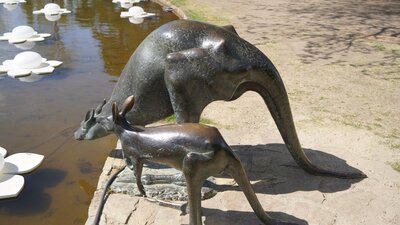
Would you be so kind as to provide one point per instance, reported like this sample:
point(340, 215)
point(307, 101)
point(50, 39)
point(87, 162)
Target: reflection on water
point(94, 43)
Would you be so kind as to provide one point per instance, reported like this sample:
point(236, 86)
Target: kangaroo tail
point(268, 84)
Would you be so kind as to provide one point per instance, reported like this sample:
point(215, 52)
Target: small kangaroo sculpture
point(183, 66)
point(198, 151)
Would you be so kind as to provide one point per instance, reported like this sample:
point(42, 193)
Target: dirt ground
point(340, 62)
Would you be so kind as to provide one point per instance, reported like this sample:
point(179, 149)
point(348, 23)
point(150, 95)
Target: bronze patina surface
point(183, 66)
point(199, 151)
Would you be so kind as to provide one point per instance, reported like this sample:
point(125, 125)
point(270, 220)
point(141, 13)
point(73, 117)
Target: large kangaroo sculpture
point(183, 66)
point(198, 151)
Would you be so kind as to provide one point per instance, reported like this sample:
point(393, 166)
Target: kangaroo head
point(119, 117)
point(90, 128)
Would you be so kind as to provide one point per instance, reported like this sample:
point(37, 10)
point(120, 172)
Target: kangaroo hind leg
point(197, 167)
point(236, 170)
point(138, 168)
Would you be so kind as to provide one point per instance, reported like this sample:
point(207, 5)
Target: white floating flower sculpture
point(11, 183)
point(23, 34)
point(27, 63)
point(52, 11)
point(136, 14)
point(11, 4)
point(126, 3)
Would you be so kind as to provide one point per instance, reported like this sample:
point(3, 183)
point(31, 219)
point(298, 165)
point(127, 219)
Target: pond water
point(40, 117)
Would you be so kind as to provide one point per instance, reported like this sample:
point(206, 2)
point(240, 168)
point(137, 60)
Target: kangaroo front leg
point(138, 174)
point(187, 78)
point(184, 105)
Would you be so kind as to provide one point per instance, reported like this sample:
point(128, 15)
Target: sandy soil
point(340, 61)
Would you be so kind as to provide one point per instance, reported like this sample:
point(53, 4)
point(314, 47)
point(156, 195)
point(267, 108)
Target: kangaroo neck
point(127, 130)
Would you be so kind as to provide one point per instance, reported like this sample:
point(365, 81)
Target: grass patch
point(395, 166)
point(383, 46)
point(178, 2)
point(207, 121)
point(203, 120)
point(170, 119)
point(200, 12)
point(195, 15)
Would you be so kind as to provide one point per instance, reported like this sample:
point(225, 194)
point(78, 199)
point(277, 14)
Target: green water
point(94, 43)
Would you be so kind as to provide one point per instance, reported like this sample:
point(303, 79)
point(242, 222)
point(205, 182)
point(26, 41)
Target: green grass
point(170, 119)
point(178, 2)
point(383, 46)
point(195, 15)
point(203, 120)
point(202, 13)
point(395, 166)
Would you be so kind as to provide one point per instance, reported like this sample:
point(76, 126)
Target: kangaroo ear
point(128, 104)
point(89, 115)
point(114, 111)
point(99, 108)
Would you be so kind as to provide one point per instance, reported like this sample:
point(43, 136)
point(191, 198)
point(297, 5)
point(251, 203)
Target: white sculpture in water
point(11, 4)
point(136, 14)
point(126, 3)
point(52, 11)
point(27, 63)
point(11, 183)
point(23, 34)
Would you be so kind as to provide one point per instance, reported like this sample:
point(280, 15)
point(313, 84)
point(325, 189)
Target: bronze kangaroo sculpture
point(183, 66)
point(199, 151)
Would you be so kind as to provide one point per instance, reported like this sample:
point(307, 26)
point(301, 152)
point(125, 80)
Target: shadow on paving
point(272, 170)
point(360, 34)
point(336, 26)
point(216, 216)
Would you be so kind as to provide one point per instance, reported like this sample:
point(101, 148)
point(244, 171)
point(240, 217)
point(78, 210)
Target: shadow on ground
point(272, 170)
point(216, 216)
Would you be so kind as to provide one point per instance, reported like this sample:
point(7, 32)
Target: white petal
point(22, 163)
point(8, 34)
point(125, 14)
point(4, 68)
point(8, 62)
point(136, 20)
point(145, 15)
point(38, 11)
point(44, 35)
point(17, 40)
point(115, 1)
point(66, 12)
point(44, 70)
point(15, 73)
point(10, 185)
point(35, 39)
point(54, 63)
point(3, 151)
point(4, 38)
point(44, 60)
